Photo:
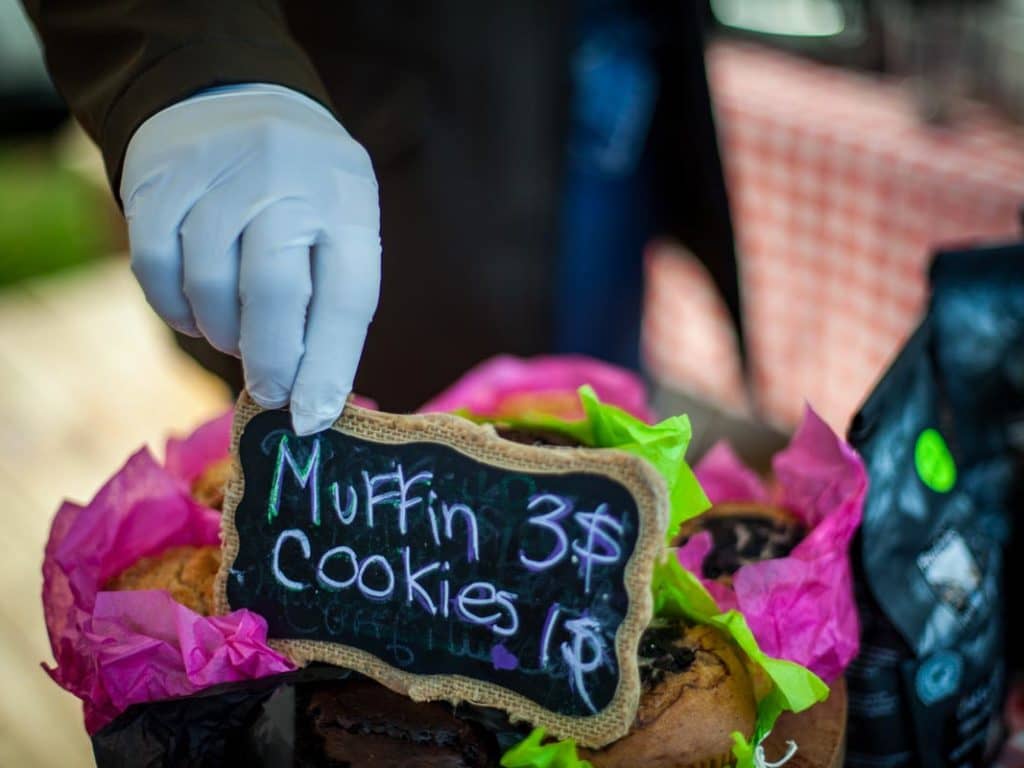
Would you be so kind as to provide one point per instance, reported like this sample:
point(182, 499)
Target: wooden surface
point(820, 733)
point(87, 375)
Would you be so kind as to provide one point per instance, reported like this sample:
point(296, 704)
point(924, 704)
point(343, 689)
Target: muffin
point(696, 693)
point(742, 533)
point(208, 488)
point(187, 573)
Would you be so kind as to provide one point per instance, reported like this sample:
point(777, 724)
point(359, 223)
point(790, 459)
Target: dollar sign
point(586, 638)
point(601, 546)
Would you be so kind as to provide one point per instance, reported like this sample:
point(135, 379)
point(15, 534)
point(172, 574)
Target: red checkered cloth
point(839, 196)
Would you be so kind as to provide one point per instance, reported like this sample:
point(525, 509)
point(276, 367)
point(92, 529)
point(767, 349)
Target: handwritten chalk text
point(426, 542)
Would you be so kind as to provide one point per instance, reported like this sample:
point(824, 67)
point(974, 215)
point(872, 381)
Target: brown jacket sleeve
point(117, 62)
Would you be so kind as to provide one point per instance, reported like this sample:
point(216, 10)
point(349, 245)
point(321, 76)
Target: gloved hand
point(254, 221)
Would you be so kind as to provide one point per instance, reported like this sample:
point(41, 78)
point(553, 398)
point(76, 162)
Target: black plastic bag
point(266, 723)
point(940, 436)
point(249, 723)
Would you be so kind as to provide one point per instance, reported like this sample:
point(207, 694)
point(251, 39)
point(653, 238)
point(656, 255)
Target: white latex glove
point(254, 221)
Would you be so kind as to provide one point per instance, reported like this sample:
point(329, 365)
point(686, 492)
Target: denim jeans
point(606, 201)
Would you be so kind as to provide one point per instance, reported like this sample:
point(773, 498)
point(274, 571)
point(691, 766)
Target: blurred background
point(856, 136)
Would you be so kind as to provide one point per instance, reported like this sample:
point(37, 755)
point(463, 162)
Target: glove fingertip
point(306, 422)
point(265, 400)
point(186, 328)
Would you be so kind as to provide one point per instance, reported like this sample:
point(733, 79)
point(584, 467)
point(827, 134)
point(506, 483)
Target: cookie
point(696, 693)
point(365, 725)
point(742, 533)
point(187, 573)
point(537, 436)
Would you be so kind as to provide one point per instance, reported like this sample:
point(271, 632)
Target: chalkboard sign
point(448, 563)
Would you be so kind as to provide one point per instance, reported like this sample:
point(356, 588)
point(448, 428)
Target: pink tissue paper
point(115, 649)
point(799, 607)
point(187, 457)
point(507, 386)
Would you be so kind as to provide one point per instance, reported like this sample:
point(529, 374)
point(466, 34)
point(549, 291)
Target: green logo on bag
point(934, 462)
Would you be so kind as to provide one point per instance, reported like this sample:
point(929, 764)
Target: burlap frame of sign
point(482, 443)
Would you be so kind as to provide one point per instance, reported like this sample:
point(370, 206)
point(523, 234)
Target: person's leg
point(599, 299)
point(605, 220)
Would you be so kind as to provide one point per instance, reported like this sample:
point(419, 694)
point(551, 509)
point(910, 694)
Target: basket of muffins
point(753, 612)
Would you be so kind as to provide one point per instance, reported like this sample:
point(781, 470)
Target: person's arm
point(252, 214)
point(117, 62)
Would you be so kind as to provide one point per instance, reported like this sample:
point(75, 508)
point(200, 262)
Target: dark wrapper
point(940, 436)
point(250, 723)
point(261, 723)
